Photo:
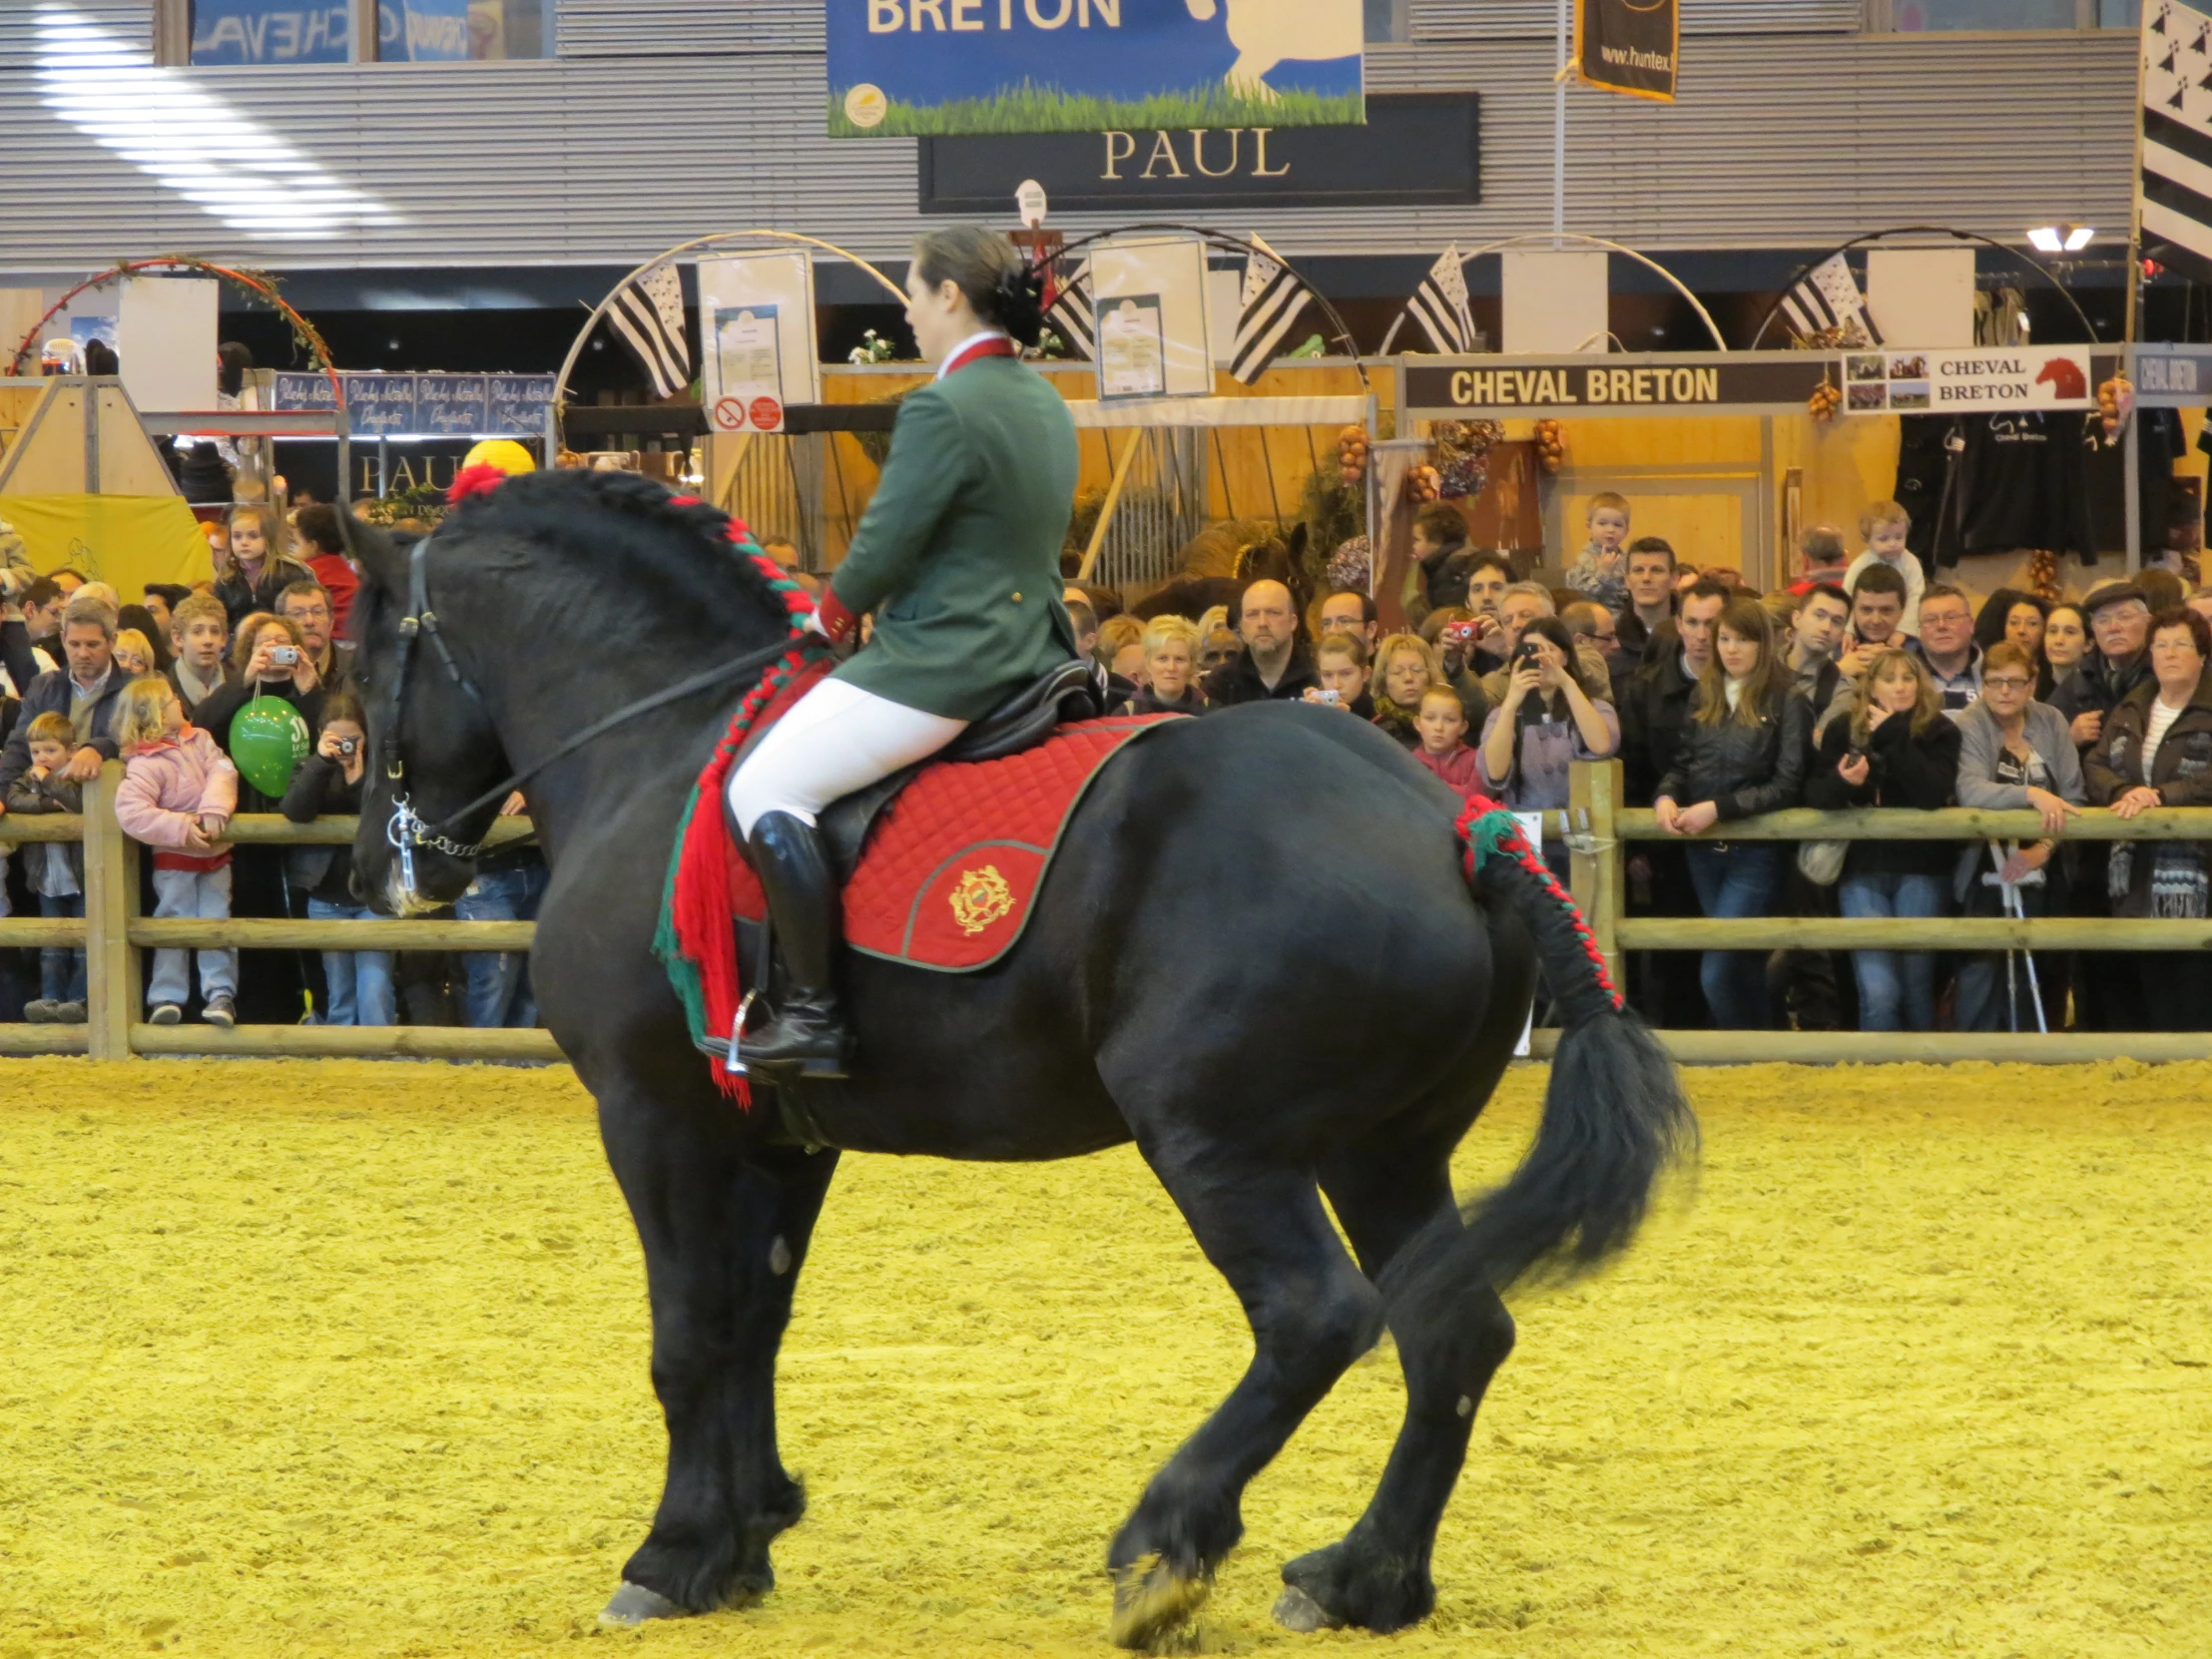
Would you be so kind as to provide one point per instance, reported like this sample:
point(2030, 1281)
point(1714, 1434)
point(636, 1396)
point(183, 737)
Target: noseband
point(407, 829)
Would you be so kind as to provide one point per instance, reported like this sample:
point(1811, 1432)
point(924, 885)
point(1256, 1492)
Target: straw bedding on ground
point(348, 1358)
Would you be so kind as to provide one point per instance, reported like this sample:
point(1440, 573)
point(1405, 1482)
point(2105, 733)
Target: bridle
point(407, 829)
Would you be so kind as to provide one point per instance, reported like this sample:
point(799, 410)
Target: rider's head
point(963, 281)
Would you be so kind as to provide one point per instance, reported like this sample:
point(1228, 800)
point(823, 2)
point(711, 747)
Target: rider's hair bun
point(1017, 299)
point(1001, 288)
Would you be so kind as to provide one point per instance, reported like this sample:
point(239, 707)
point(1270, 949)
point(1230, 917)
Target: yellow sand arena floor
point(347, 1358)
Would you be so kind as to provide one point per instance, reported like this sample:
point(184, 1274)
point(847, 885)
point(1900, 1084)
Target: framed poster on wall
point(757, 314)
point(1164, 281)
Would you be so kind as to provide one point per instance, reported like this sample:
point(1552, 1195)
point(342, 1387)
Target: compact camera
point(284, 656)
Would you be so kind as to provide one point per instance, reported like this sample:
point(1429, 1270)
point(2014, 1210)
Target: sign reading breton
point(1618, 385)
point(1222, 167)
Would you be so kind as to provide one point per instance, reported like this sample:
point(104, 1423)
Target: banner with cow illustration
point(902, 68)
point(1629, 46)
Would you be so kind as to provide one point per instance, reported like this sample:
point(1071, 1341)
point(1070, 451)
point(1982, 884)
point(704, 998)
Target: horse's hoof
point(1154, 1605)
point(633, 1604)
point(1296, 1610)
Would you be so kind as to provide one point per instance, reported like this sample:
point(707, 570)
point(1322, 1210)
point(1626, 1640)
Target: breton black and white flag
point(649, 315)
point(1272, 302)
point(1069, 313)
point(1439, 305)
point(2174, 192)
point(1827, 297)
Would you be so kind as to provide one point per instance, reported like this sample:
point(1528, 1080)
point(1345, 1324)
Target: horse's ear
point(375, 551)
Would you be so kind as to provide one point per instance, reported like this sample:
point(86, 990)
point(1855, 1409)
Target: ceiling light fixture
point(171, 128)
point(2060, 238)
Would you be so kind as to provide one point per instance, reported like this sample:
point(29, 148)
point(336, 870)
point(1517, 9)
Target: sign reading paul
point(905, 68)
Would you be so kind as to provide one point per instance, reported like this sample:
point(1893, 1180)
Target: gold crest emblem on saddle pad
point(981, 899)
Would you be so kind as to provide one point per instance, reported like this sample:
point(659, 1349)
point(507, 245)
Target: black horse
point(1337, 1037)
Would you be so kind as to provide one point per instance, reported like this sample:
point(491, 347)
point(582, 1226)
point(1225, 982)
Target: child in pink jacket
point(178, 792)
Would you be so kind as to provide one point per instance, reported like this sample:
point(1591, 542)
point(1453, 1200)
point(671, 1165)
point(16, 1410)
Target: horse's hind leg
point(724, 1226)
point(1378, 1575)
point(1311, 1315)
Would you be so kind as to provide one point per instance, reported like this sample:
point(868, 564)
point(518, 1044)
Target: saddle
point(1065, 694)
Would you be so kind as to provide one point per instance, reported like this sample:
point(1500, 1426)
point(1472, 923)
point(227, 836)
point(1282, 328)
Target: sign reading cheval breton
point(904, 68)
point(1620, 385)
point(2173, 377)
point(1183, 167)
point(1628, 46)
point(1971, 379)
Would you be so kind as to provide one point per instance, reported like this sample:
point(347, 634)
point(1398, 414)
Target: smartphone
point(284, 656)
point(1525, 651)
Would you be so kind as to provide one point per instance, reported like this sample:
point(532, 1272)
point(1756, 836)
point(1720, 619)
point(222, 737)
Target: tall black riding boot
point(807, 1036)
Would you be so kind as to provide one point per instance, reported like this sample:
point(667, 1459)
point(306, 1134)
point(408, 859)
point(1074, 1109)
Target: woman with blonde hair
point(1171, 647)
point(1895, 749)
point(133, 653)
point(1742, 752)
point(1406, 665)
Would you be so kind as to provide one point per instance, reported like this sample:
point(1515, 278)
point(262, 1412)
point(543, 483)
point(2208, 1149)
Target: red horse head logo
point(2066, 378)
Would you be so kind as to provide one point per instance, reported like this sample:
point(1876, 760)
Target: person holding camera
point(269, 660)
point(1548, 716)
point(1894, 749)
point(328, 783)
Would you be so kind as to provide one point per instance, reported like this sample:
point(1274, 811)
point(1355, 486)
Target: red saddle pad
point(951, 867)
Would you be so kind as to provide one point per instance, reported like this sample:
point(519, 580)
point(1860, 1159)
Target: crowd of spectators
point(86, 679)
point(1859, 684)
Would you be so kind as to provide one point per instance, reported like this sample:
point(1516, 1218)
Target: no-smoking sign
point(729, 415)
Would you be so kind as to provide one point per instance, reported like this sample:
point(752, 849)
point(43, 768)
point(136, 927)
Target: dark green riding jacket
point(958, 553)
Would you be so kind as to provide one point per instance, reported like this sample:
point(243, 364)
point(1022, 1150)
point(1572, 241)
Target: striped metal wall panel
point(1521, 19)
point(129, 22)
point(588, 162)
point(681, 28)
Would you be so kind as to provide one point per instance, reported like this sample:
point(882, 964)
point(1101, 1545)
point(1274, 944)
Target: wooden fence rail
point(113, 932)
point(1600, 833)
point(1598, 830)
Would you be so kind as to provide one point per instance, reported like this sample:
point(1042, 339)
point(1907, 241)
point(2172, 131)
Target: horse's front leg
point(725, 1222)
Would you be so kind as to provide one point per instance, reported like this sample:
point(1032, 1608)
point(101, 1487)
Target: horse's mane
point(620, 529)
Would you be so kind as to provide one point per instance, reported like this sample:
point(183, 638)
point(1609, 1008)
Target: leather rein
point(407, 829)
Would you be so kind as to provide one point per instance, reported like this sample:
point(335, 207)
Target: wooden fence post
point(1593, 798)
point(111, 902)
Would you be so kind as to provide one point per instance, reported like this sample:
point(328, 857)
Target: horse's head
point(525, 638)
point(432, 744)
point(1278, 559)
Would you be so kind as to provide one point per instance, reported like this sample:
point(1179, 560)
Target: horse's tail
point(1614, 1114)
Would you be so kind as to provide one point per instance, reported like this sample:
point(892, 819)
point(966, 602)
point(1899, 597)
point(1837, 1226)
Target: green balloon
point(269, 740)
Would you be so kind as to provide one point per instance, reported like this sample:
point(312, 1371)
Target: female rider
point(959, 558)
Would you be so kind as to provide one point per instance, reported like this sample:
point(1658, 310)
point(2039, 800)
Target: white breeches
point(834, 740)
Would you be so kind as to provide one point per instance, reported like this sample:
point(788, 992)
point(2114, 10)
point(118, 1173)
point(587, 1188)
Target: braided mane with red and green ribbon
point(1490, 831)
point(694, 937)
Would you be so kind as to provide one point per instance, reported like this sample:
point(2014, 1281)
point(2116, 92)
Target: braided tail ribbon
point(1494, 840)
point(695, 940)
